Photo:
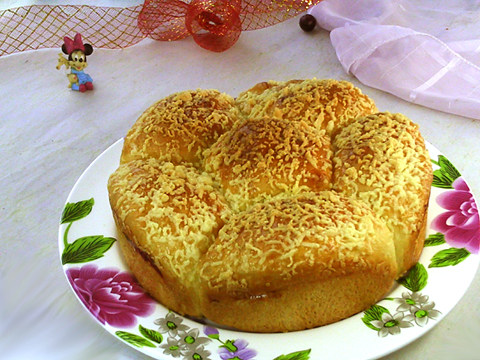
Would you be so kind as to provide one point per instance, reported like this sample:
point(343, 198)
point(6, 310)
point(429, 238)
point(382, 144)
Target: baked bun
point(170, 215)
point(180, 127)
point(291, 263)
point(381, 160)
point(263, 157)
point(325, 104)
point(293, 206)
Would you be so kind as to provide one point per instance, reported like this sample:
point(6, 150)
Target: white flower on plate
point(170, 324)
point(391, 324)
point(191, 339)
point(411, 300)
point(199, 353)
point(422, 313)
point(173, 348)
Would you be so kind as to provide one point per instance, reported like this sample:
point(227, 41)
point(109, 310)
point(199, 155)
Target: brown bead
point(307, 22)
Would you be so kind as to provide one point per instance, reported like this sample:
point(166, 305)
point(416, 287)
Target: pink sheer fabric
point(424, 52)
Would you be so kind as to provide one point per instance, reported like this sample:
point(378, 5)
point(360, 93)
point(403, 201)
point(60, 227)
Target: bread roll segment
point(326, 104)
point(170, 215)
point(260, 158)
point(179, 127)
point(381, 159)
point(263, 257)
point(293, 206)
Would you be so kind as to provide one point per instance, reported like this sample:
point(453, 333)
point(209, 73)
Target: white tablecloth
point(50, 134)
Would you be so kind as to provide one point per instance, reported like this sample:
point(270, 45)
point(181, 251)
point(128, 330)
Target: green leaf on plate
point(76, 211)
point(415, 279)
point(86, 249)
point(134, 339)
point(151, 334)
point(298, 355)
point(446, 175)
point(374, 312)
point(435, 239)
point(449, 257)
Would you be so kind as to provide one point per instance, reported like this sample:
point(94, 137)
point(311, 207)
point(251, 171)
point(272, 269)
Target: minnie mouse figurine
point(77, 53)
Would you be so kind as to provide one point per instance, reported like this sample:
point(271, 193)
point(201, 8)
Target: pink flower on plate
point(113, 297)
point(460, 224)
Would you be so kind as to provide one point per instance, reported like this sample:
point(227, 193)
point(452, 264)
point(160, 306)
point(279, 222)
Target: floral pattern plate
point(100, 279)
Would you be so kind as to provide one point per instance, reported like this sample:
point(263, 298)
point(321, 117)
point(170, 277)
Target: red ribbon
point(214, 24)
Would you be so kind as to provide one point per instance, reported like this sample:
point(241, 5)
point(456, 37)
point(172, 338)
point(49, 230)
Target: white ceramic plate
point(99, 277)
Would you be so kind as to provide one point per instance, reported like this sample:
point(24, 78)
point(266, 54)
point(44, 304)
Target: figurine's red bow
point(214, 24)
point(75, 44)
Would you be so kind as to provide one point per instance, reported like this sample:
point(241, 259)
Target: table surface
point(50, 134)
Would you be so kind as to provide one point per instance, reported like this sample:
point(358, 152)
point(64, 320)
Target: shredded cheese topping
point(260, 158)
point(175, 209)
point(325, 104)
point(312, 234)
point(179, 127)
point(381, 160)
point(290, 179)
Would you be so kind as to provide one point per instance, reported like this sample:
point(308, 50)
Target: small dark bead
point(307, 22)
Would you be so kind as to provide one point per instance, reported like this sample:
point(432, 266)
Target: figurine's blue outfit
point(82, 79)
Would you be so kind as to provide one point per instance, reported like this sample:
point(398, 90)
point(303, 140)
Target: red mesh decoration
point(164, 20)
point(44, 26)
point(214, 24)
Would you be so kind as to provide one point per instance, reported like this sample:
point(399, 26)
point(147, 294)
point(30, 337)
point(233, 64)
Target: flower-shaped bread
point(295, 205)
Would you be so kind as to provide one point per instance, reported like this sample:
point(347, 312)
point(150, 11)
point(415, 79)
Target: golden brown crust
point(280, 208)
point(179, 127)
point(301, 305)
point(312, 236)
point(326, 104)
point(168, 291)
point(170, 213)
point(260, 158)
point(381, 159)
